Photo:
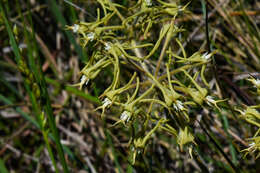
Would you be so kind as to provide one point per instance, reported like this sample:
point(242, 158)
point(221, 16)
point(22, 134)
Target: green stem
point(45, 137)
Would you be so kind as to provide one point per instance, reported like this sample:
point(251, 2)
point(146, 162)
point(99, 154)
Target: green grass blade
point(11, 35)
point(110, 143)
point(35, 123)
point(82, 94)
point(24, 115)
point(44, 94)
point(74, 90)
point(2, 167)
point(232, 149)
point(36, 107)
point(45, 99)
point(10, 87)
point(60, 18)
point(217, 145)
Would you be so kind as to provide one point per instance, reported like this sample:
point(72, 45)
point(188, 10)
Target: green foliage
point(173, 96)
point(119, 39)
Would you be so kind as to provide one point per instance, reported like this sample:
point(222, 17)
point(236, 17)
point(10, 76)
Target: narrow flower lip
point(206, 56)
point(125, 116)
point(148, 2)
point(91, 36)
point(257, 82)
point(75, 28)
point(84, 79)
point(252, 144)
point(178, 106)
point(107, 46)
point(106, 102)
point(210, 99)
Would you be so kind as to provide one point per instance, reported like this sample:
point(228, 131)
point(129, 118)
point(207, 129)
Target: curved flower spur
point(111, 95)
point(90, 72)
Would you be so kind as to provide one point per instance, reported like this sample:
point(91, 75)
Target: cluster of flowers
point(252, 116)
point(122, 40)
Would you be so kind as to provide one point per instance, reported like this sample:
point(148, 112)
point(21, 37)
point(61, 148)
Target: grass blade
point(2, 167)
point(43, 90)
point(59, 17)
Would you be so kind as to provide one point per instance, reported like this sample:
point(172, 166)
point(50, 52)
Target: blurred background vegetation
point(39, 59)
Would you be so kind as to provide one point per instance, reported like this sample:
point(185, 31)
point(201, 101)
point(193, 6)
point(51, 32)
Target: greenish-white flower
point(107, 46)
point(210, 100)
point(255, 82)
point(91, 36)
point(178, 106)
point(252, 144)
point(148, 2)
point(106, 102)
point(206, 56)
point(184, 137)
point(125, 116)
point(75, 28)
point(83, 80)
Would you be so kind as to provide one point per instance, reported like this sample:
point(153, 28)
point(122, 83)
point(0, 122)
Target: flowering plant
point(177, 86)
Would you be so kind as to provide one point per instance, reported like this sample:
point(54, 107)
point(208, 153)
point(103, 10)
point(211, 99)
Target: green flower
point(251, 115)
point(184, 137)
